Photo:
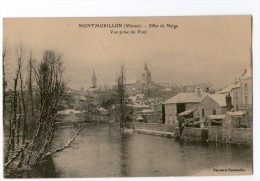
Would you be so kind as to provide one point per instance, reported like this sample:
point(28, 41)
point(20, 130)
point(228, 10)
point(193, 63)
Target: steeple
point(146, 67)
point(94, 80)
point(146, 76)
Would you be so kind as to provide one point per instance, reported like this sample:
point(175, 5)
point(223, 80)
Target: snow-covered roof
point(102, 109)
point(140, 95)
point(147, 111)
point(186, 112)
point(236, 113)
point(220, 99)
point(133, 98)
point(247, 75)
point(185, 98)
point(220, 116)
point(68, 111)
point(140, 106)
point(140, 118)
point(91, 89)
point(167, 89)
point(229, 88)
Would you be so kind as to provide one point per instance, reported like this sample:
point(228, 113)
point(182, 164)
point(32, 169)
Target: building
point(235, 92)
point(213, 109)
point(235, 119)
point(236, 99)
point(93, 88)
point(141, 86)
point(94, 80)
point(180, 103)
point(146, 76)
point(213, 104)
point(247, 93)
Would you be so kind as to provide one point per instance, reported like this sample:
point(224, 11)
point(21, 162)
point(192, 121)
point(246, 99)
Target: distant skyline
point(212, 49)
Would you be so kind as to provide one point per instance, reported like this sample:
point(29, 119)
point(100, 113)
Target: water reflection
point(45, 170)
point(124, 156)
point(102, 151)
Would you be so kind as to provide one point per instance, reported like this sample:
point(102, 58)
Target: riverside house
point(212, 107)
point(180, 103)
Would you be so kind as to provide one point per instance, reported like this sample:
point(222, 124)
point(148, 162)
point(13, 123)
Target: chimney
point(244, 72)
point(228, 102)
point(198, 91)
point(207, 89)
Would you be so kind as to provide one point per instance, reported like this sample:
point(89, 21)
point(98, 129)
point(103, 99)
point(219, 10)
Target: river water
point(102, 151)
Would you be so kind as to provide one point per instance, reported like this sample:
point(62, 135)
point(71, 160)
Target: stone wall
point(192, 134)
point(241, 135)
point(215, 134)
point(218, 134)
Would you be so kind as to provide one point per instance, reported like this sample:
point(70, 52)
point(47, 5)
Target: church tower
point(146, 76)
point(94, 80)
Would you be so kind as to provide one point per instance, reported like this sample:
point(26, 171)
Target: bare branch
point(65, 146)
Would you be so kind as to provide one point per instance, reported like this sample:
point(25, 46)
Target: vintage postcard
point(127, 97)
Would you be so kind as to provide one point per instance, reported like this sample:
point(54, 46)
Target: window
point(214, 112)
point(246, 88)
point(202, 112)
point(237, 107)
point(246, 100)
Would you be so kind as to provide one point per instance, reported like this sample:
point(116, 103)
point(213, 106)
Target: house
point(213, 104)
point(235, 92)
point(236, 128)
point(180, 103)
point(236, 119)
point(247, 93)
point(236, 99)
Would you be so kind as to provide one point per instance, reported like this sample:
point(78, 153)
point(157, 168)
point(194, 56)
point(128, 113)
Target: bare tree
point(31, 130)
point(30, 83)
point(123, 112)
point(4, 77)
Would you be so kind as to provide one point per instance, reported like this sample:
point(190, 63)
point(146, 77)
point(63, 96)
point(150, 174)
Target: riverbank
point(214, 134)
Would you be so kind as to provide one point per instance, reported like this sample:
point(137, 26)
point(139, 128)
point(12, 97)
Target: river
point(102, 151)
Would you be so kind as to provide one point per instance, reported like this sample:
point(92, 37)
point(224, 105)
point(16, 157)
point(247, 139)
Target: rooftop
point(186, 112)
point(220, 116)
point(220, 99)
point(185, 98)
point(229, 88)
point(236, 113)
point(247, 75)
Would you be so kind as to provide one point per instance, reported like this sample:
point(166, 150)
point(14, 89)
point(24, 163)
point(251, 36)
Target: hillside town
point(107, 101)
point(225, 114)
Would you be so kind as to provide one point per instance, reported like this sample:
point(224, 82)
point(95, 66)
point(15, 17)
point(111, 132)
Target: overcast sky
point(201, 49)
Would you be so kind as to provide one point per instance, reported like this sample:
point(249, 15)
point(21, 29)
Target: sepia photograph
point(101, 97)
